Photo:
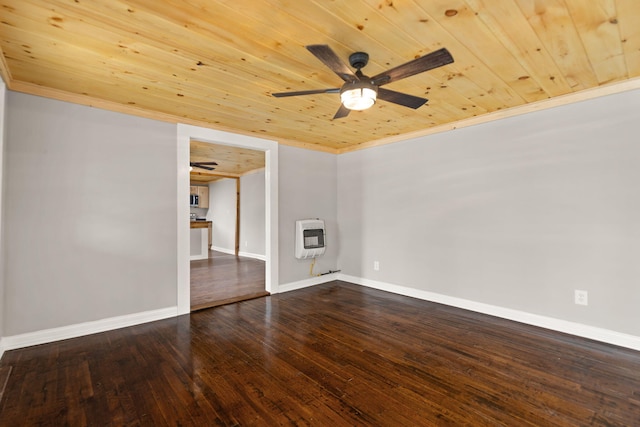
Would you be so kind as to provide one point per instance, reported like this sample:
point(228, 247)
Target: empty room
point(444, 212)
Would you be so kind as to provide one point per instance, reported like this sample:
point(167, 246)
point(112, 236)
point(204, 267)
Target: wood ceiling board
point(628, 19)
point(554, 27)
point(462, 23)
point(479, 84)
point(142, 69)
point(510, 26)
point(600, 33)
point(232, 161)
point(137, 71)
point(194, 42)
point(506, 54)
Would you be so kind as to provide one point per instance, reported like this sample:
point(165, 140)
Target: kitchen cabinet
point(203, 197)
point(202, 193)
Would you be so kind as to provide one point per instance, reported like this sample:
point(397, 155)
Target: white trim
point(578, 329)
point(223, 250)
point(184, 135)
point(2, 349)
point(244, 254)
point(86, 328)
point(312, 281)
point(183, 298)
point(254, 256)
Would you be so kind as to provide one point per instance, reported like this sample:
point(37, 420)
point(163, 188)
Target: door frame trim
point(185, 133)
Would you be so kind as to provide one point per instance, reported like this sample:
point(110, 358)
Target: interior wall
point(3, 94)
point(308, 186)
point(222, 214)
point(252, 213)
point(90, 214)
point(516, 213)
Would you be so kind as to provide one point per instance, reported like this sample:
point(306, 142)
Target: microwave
point(193, 202)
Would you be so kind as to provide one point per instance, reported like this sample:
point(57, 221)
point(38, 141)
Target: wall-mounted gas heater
point(310, 238)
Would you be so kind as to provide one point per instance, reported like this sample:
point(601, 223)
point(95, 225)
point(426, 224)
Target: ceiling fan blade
point(329, 58)
point(424, 63)
point(342, 112)
point(399, 98)
point(305, 92)
point(201, 165)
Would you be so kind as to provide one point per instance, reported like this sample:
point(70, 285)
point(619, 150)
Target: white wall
point(90, 214)
point(516, 213)
point(222, 214)
point(307, 190)
point(252, 214)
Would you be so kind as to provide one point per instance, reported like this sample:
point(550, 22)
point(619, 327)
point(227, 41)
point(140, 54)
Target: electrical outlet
point(581, 297)
point(376, 265)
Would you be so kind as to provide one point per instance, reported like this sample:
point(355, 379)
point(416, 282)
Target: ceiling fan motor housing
point(360, 84)
point(358, 60)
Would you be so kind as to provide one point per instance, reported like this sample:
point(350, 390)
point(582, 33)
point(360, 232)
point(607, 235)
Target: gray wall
point(515, 213)
point(222, 213)
point(90, 214)
point(252, 213)
point(307, 189)
point(2, 169)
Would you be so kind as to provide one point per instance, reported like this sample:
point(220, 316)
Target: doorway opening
point(227, 219)
point(188, 133)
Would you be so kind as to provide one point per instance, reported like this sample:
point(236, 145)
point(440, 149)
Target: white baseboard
point(223, 250)
point(254, 256)
point(86, 328)
point(244, 254)
point(578, 329)
point(311, 281)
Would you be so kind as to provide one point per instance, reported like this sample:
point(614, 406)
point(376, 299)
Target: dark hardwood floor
point(224, 279)
point(331, 355)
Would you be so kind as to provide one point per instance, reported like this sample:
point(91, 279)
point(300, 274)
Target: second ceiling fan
point(203, 165)
point(359, 92)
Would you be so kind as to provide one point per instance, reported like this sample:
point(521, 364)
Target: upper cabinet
point(203, 197)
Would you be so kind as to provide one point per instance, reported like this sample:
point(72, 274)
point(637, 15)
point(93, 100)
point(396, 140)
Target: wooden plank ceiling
point(233, 162)
point(216, 63)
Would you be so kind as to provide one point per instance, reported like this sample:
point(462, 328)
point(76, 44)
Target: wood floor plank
point(334, 354)
point(224, 279)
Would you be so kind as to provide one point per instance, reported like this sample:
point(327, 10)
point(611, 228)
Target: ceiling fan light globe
point(359, 98)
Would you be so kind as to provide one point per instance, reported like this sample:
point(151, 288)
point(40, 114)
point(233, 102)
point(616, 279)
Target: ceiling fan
point(359, 92)
point(203, 165)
